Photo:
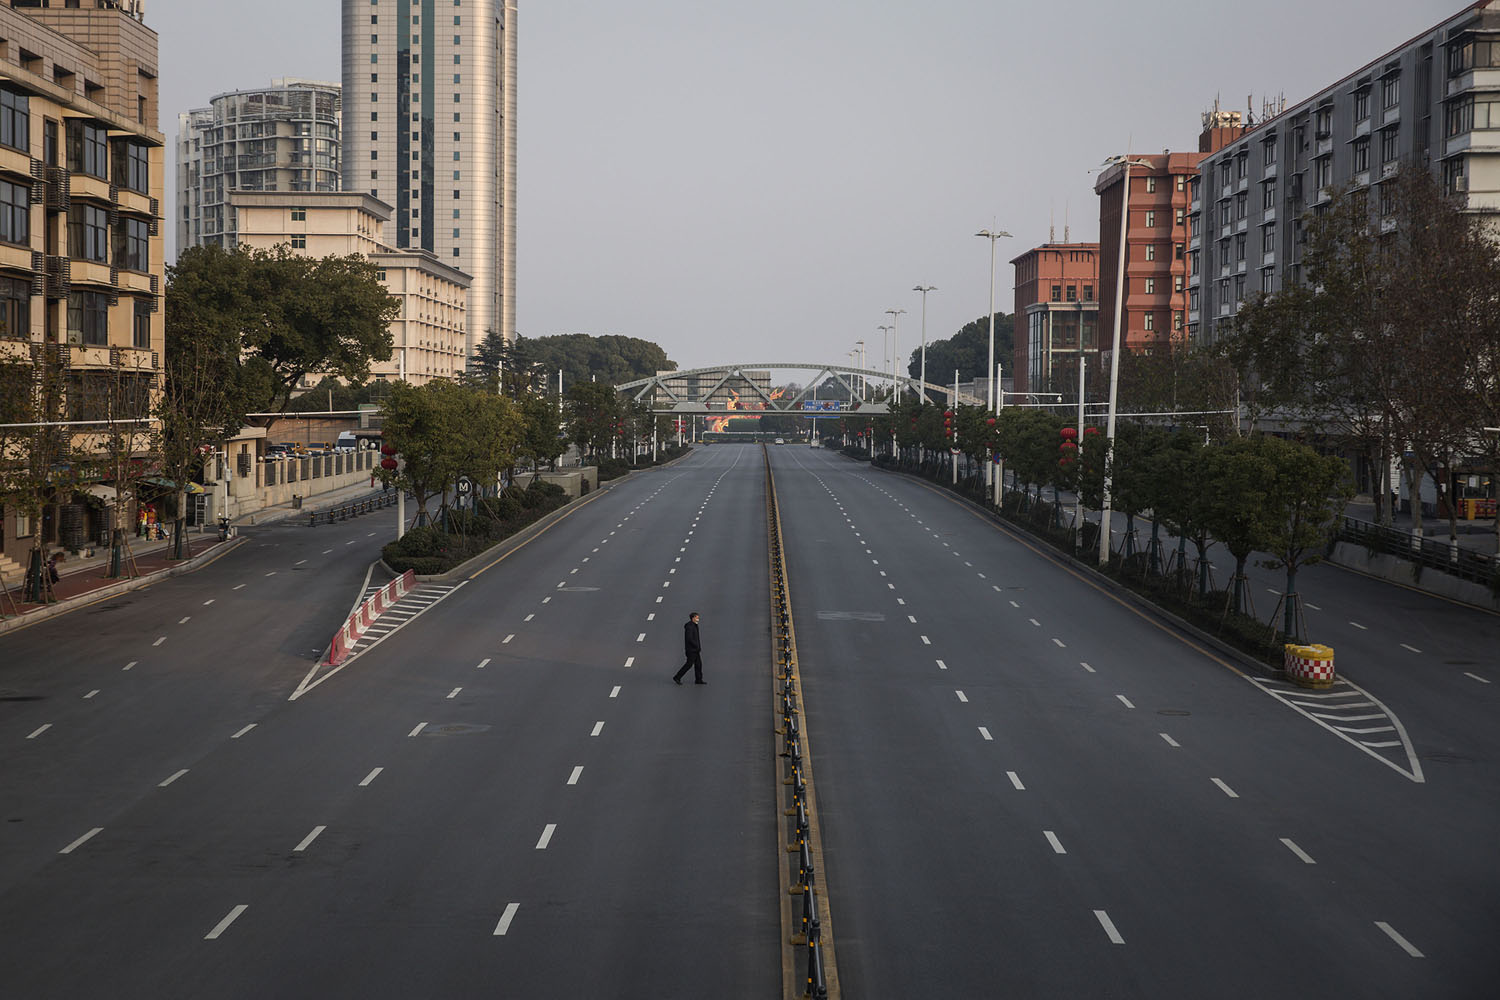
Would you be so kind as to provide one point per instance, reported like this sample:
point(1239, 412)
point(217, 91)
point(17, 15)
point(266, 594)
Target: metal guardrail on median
point(348, 510)
point(1435, 553)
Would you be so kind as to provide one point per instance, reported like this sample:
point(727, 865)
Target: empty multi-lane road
point(1025, 786)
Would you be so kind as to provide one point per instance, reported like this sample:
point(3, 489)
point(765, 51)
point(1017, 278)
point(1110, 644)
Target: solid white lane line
point(454, 692)
point(1359, 626)
point(577, 773)
point(528, 618)
point(630, 661)
point(942, 665)
point(598, 728)
point(1348, 718)
point(239, 587)
point(1225, 788)
point(1109, 927)
point(223, 925)
point(985, 733)
point(1406, 945)
point(173, 778)
point(1482, 680)
point(507, 638)
point(39, 731)
point(374, 773)
point(1297, 851)
point(615, 691)
point(483, 663)
point(1087, 667)
point(130, 664)
point(1060, 643)
point(1170, 742)
point(242, 732)
point(159, 641)
point(419, 727)
point(1057, 847)
point(546, 837)
point(1015, 780)
point(90, 694)
point(1124, 701)
point(307, 840)
point(1413, 649)
point(75, 845)
point(506, 918)
point(641, 637)
point(1366, 730)
point(926, 641)
point(962, 697)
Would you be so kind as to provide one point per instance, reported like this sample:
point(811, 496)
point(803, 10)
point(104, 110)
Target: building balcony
point(135, 202)
point(15, 162)
point(88, 272)
point(19, 258)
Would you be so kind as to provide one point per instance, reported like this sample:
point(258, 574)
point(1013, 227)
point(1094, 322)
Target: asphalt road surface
point(1025, 786)
point(1030, 788)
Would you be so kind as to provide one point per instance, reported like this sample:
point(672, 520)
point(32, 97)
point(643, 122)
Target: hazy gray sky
point(746, 182)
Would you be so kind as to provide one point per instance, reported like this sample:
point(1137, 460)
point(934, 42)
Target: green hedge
point(430, 549)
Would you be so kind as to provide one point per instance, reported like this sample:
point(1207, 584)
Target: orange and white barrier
point(364, 616)
point(1309, 666)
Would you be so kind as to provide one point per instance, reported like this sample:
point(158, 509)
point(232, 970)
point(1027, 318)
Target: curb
point(115, 589)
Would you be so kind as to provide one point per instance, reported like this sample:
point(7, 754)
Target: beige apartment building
point(81, 250)
point(428, 334)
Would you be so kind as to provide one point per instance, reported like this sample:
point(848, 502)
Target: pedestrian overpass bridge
point(724, 389)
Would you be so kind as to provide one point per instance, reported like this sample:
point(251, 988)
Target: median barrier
point(364, 616)
point(1309, 666)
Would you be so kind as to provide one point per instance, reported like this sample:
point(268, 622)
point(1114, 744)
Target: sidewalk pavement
point(82, 581)
point(1478, 534)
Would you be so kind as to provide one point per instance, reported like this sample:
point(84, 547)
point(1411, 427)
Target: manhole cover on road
point(1173, 711)
point(457, 729)
point(851, 616)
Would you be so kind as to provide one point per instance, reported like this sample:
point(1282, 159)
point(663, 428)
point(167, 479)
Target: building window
point(1177, 320)
point(1181, 248)
point(133, 245)
point(1325, 171)
point(1150, 286)
point(1361, 104)
point(1149, 321)
point(15, 120)
point(1088, 293)
point(1241, 203)
point(141, 326)
point(1150, 251)
point(1268, 151)
point(1072, 293)
point(133, 167)
point(88, 318)
point(15, 213)
point(1267, 195)
point(1323, 122)
point(88, 231)
point(1181, 182)
point(1267, 281)
point(1268, 238)
point(1057, 293)
point(15, 308)
point(1150, 220)
point(299, 215)
point(1240, 163)
point(1181, 216)
point(1239, 247)
point(1390, 92)
point(88, 148)
point(1390, 144)
point(1150, 185)
point(299, 242)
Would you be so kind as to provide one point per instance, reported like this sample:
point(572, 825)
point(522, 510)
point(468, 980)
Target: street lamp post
point(922, 377)
point(885, 345)
point(989, 371)
point(895, 315)
point(1114, 356)
point(861, 345)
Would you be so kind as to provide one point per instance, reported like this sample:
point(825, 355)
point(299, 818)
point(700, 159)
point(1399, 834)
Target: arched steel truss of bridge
point(719, 389)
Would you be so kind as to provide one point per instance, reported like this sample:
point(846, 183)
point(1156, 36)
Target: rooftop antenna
point(1066, 238)
point(1052, 222)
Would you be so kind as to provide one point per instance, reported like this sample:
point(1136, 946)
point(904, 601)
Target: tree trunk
point(1414, 493)
point(1289, 617)
point(1239, 584)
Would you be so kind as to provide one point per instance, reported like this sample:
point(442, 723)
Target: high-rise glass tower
point(429, 128)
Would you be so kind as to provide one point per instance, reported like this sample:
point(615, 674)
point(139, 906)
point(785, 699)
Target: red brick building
point(1056, 314)
point(1157, 235)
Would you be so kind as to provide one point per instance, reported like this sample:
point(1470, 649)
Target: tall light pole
point(861, 345)
point(1114, 356)
point(989, 371)
point(885, 345)
point(895, 315)
point(922, 377)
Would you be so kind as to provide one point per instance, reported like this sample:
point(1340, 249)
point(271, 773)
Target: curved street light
point(922, 377)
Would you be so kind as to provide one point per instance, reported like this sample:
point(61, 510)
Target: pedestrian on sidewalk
point(693, 647)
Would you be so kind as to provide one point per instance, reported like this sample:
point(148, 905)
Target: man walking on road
point(694, 649)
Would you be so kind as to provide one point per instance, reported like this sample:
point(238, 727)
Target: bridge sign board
point(816, 408)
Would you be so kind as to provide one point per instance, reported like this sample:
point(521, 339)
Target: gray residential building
point(429, 92)
point(1433, 101)
point(284, 137)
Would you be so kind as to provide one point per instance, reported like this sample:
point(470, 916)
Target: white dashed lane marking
point(242, 732)
point(1015, 780)
point(374, 773)
point(1225, 788)
point(1406, 945)
point(223, 925)
point(506, 918)
point(75, 845)
point(1297, 851)
point(1109, 927)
